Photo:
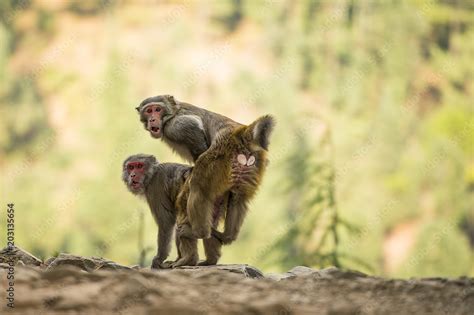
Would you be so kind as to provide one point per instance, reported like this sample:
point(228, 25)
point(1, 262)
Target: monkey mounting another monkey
point(230, 159)
point(164, 186)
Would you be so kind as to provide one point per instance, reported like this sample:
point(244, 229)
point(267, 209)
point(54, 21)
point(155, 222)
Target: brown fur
point(224, 178)
point(214, 142)
point(165, 187)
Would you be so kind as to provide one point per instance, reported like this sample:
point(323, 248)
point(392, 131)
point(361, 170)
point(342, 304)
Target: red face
point(136, 174)
point(153, 114)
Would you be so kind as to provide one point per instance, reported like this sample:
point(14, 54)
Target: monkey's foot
point(186, 261)
point(156, 263)
point(167, 264)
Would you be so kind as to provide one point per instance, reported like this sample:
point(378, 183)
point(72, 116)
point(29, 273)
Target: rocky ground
point(69, 284)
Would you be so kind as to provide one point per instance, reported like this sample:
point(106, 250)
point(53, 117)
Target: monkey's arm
point(187, 131)
point(166, 224)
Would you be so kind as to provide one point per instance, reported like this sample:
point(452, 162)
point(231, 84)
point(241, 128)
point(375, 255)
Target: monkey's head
point(155, 111)
point(137, 171)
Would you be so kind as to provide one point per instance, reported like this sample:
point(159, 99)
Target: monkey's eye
point(130, 167)
point(139, 165)
point(158, 109)
point(149, 110)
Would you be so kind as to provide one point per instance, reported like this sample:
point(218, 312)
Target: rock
point(48, 261)
point(113, 266)
point(245, 270)
point(18, 255)
point(27, 274)
point(279, 276)
point(62, 272)
point(335, 273)
point(293, 273)
point(301, 270)
point(228, 289)
point(328, 273)
point(4, 266)
point(72, 260)
point(87, 264)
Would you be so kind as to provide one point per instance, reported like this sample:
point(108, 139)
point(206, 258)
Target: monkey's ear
point(171, 99)
point(137, 108)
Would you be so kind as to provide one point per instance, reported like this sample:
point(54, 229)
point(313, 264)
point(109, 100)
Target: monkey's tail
point(261, 130)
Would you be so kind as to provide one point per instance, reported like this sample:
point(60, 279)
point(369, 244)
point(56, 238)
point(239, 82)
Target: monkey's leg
point(213, 245)
point(200, 213)
point(209, 180)
point(212, 248)
point(234, 218)
point(189, 252)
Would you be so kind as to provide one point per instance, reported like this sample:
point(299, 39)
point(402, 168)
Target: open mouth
point(135, 184)
point(155, 131)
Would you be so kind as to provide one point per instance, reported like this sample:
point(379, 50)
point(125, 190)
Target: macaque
point(230, 159)
point(161, 184)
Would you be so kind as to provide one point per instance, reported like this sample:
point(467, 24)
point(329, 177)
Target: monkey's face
point(135, 175)
point(153, 110)
point(153, 116)
point(137, 171)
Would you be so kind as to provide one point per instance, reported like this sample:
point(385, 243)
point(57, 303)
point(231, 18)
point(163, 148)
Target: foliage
point(391, 82)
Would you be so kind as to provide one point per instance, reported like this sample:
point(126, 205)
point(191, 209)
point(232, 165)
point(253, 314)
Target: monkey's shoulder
point(186, 127)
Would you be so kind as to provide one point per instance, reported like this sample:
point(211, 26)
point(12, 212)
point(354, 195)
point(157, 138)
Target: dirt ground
point(74, 285)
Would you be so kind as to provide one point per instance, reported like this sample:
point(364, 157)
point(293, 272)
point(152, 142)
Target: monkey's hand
point(218, 235)
point(223, 237)
point(199, 232)
point(184, 230)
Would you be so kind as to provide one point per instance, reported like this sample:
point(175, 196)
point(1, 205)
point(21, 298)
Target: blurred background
point(372, 161)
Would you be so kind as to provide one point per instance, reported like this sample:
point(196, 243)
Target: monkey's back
point(228, 146)
point(168, 181)
point(213, 123)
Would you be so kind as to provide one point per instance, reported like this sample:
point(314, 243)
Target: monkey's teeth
point(242, 159)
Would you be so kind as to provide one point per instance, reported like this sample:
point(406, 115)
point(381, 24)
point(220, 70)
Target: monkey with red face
point(184, 133)
point(230, 159)
point(164, 186)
